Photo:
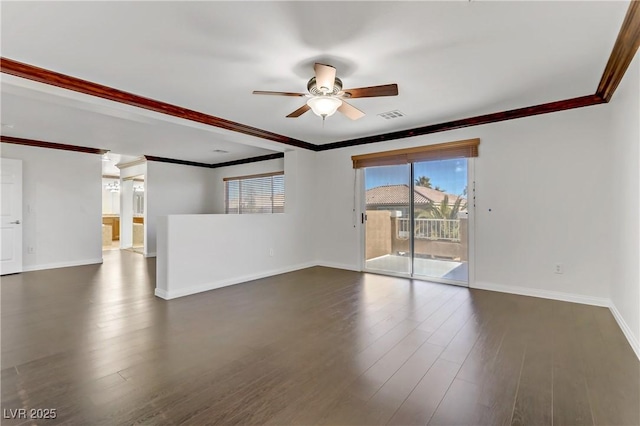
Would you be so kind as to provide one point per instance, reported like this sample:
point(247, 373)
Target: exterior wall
point(378, 233)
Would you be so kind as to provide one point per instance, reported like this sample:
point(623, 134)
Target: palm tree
point(443, 210)
point(437, 188)
point(423, 181)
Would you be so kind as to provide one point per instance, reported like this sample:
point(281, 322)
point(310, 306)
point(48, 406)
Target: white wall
point(625, 203)
point(174, 189)
point(202, 252)
point(269, 166)
point(545, 179)
point(62, 206)
point(228, 249)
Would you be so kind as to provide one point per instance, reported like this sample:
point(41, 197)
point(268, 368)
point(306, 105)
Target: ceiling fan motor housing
point(315, 90)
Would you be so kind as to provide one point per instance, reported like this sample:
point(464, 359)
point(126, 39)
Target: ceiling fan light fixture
point(324, 106)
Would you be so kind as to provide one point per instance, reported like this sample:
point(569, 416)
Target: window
point(254, 194)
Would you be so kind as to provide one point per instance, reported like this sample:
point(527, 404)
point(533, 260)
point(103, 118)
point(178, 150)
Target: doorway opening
point(111, 211)
point(123, 202)
point(417, 220)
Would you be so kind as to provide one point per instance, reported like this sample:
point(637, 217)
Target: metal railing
point(430, 229)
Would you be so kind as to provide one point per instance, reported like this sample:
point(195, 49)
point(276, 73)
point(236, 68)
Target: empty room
point(320, 212)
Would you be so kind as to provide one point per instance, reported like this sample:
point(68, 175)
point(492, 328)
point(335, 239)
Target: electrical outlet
point(559, 269)
point(271, 252)
point(31, 250)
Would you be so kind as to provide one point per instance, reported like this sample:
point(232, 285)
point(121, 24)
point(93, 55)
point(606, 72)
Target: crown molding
point(215, 165)
point(174, 161)
point(51, 145)
point(624, 50)
point(249, 160)
point(479, 120)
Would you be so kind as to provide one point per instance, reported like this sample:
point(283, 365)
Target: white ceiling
point(41, 112)
point(451, 60)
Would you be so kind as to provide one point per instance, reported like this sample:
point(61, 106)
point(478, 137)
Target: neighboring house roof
point(436, 196)
point(399, 195)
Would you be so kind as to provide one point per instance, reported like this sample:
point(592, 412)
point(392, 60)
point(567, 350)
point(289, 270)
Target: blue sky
point(450, 175)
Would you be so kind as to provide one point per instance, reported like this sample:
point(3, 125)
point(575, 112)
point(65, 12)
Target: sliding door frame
point(471, 203)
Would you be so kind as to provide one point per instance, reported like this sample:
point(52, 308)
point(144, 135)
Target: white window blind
point(254, 194)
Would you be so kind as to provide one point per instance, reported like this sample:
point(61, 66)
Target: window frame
point(240, 179)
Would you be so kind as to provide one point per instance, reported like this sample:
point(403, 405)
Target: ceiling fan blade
point(325, 77)
point(372, 91)
point(263, 92)
point(350, 111)
point(297, 113)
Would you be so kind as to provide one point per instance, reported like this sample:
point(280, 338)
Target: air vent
point(391, 115)
point(220, 151)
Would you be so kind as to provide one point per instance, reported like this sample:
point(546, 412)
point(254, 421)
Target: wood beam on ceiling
point(623, 52)
point(51, 145)
point(41, 75)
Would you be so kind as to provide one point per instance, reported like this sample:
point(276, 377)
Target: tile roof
point(399, 194)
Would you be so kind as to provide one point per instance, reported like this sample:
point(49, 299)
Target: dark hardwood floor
point(317, 346)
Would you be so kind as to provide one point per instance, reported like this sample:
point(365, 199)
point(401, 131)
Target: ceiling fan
point(326, 95)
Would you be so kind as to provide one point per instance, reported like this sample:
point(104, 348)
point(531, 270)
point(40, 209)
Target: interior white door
point(10, 216)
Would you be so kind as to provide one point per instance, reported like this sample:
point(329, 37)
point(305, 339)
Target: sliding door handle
point(16, 222)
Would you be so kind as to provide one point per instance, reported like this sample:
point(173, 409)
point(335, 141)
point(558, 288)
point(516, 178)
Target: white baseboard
point(61, 265)
point(168, 294)
point(633, 341)
point(335, 265)
point(568, 297)
point(150, 254)
point(545, 294)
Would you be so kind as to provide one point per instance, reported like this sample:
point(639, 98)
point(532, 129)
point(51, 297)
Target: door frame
point(127, 195)
point(17, 265)
point(471, 198)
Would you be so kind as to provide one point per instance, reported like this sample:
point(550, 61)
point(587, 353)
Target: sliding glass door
point(440, 214)
point(387, 235)
point(417, 220)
